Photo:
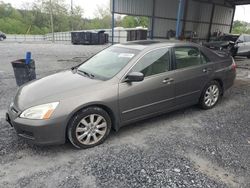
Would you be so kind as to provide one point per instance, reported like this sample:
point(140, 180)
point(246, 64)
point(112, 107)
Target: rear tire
point(89, 127)
point(248, 57)
point(210, 95)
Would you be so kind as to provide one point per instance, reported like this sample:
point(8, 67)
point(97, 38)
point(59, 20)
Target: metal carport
point(201, 16)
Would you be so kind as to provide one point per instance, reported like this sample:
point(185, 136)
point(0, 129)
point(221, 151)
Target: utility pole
point(52, 21)
point(113, 21)
point(72, 13)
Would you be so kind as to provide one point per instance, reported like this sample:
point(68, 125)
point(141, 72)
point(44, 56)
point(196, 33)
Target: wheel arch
point(219, 80)
point(114, 119)
point(221, 84)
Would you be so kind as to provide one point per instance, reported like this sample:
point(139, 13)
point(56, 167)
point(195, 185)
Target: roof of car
point(143, 44)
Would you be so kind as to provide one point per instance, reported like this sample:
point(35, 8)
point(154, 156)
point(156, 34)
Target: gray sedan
point(120, 85)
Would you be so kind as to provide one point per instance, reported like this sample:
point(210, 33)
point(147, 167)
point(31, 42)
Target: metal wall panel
point(222, 28)
point(223, 15)
point(197, 17)
point(198, 11)
point(162, 26)
point(134, 7)
point(202, 29)
point(166, 8)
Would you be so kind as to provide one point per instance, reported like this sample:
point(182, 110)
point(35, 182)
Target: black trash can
point(106, 37)
point(24, 72)
point(87, 38)
point(131, 35)
point(101, 37)
point(141, 34)
point(94, 38)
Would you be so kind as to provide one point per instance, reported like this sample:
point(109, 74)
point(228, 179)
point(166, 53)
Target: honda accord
point(120, 85)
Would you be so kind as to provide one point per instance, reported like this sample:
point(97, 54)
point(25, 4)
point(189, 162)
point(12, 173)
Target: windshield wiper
point(86, 73)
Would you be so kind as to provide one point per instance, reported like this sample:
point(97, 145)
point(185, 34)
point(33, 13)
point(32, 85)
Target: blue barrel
point(28, 58)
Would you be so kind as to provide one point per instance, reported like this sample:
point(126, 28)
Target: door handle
point(168, 80)
point(207, 70)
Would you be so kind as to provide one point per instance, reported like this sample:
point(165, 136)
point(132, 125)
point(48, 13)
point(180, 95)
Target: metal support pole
point(152, 21)
point(232, 21)
point(179, 17)
point(52, 22)
point(72, 13)
point(185, 17)
point(210, 23)
point(113, 20)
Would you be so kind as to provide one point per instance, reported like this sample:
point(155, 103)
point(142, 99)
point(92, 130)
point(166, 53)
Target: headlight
point(43, 111)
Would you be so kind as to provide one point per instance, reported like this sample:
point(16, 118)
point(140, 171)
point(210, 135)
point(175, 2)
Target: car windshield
point(107, 63)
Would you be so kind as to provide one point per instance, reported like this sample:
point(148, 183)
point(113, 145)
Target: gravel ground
point(185, 148)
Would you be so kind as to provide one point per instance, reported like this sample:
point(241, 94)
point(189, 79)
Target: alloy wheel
point(91, 129)
point(211, 95)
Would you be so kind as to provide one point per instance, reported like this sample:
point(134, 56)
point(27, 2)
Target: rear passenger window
point(189, 56)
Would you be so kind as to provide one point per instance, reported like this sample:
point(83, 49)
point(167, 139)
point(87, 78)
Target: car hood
point(53, 88)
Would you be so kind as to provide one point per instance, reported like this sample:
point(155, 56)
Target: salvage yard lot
point(185, 148)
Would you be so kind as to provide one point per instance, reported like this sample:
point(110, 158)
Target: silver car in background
point(120, 85)
point(243, 45)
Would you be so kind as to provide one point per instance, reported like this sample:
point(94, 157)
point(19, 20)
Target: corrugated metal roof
point(239, 2)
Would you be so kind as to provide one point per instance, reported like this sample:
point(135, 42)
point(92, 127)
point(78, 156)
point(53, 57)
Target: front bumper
point(41, 132)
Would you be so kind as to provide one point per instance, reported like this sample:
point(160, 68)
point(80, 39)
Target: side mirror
point(135, 77)
point(239, 41)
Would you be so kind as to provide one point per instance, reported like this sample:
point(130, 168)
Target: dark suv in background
point(2, 36)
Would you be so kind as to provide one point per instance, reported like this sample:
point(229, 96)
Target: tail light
point(234, 66)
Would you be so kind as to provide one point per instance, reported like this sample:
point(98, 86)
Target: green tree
point(240, 27)
point(134, 21)
point(35, 18)
point(101, 21)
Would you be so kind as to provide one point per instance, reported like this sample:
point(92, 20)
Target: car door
point(193, 71)
point(247, 45)
point(154, 94)
point(244, 45)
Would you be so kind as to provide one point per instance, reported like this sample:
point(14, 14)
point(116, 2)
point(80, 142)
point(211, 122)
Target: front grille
point(26, 134)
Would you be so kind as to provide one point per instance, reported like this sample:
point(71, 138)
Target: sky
point(89, 6)
point(242, 13)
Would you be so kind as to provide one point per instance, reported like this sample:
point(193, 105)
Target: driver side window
point(155, 62)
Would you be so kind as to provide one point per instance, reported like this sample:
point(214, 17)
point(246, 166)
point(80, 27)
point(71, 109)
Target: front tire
point(248, 57)
point(89, 127)
point(210, 95)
